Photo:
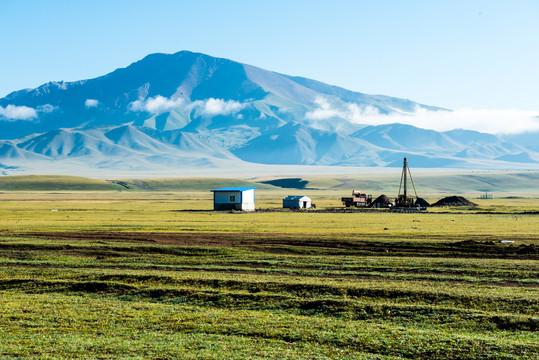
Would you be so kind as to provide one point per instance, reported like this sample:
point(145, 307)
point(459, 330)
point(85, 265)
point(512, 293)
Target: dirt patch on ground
point(178, 239)
point(257, 271)
point(294, 245)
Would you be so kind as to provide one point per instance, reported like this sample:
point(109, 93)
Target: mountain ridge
point(191, 109)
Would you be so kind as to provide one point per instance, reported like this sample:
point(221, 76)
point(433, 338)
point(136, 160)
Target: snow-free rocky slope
point(188, 110)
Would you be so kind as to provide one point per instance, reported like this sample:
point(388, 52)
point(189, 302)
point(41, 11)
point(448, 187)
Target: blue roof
point(296, 197)
point(237, 188)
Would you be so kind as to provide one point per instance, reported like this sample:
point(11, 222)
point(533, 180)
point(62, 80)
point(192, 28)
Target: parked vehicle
point(358, 199)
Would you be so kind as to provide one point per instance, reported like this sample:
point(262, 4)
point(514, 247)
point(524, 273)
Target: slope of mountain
point(177, 88)
point(10, 151)
point(189, 109)
point(408, 138)
point(529, 140)
point(295, 143)
point(522, 157)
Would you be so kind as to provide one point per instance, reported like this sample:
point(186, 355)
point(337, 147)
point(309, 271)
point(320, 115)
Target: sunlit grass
point(159, 275)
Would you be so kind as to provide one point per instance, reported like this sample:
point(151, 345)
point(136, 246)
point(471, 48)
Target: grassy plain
point(155, 274)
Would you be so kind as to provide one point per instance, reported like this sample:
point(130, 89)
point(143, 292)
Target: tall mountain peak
point(224, 109)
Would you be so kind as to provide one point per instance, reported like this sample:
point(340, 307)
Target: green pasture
point(288, 298)
point(427, 183)
point(148, 271)
point(191, 212)
point(54, 183)
point(431, 184)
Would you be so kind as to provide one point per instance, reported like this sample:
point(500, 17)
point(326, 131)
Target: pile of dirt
point(382, 201)
point(422, 202)
point(454, 201)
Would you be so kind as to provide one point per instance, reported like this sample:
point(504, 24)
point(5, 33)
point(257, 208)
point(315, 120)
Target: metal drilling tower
point(403, 199)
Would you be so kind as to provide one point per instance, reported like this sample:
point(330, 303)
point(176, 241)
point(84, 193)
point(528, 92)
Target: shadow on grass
point(291, 183)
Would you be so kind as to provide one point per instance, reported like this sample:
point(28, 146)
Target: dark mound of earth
point(382, 200)
point(421, 202)
point(454, 201)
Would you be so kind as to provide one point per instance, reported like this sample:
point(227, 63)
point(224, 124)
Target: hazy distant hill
point(194, 110)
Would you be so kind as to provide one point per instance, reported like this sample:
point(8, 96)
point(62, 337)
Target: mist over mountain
point(192, 110)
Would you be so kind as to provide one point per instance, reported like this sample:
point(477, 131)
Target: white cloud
point(220, 107)
point(14, 112)
point(91, 103)
point(487, 121)
point(160, 104)
point(325, 110)
point(156, 105)
point(47, 108)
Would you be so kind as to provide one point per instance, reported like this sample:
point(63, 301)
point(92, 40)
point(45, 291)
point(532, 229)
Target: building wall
point(249, 197)
point(298, 204)
point(242, 200)
point(226, 206)
point(224, 197)
point(248, 200)
point(248, 206)
point(290, 204)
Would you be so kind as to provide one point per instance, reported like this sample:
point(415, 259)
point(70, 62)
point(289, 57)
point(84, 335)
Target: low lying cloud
point(91, 103)
point(348, 111)
point(487, 121)
point(156, 105)
point(14, 112)
point(47, 108)
point(211, 107)
point(220, 107)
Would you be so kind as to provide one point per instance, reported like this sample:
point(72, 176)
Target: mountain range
point(190, 110)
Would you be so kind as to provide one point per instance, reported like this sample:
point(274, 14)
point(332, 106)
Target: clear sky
point(454, 54)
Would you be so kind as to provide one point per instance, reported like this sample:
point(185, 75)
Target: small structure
point(297, 202)
point(234, 198)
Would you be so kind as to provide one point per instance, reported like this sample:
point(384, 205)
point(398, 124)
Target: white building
point(234, 198)
point(297, 202)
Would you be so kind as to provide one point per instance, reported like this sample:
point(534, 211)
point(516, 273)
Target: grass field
point(155, 275)
point(501, 183)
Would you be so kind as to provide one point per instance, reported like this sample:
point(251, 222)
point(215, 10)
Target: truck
point(358, 199)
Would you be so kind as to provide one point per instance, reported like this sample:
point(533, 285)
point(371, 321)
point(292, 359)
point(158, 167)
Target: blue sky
point(453, 54)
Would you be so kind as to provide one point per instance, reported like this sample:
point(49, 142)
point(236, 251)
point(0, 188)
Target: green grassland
point(54, 183)
point(435, 183)
point(428, 184)
point(149, 272)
